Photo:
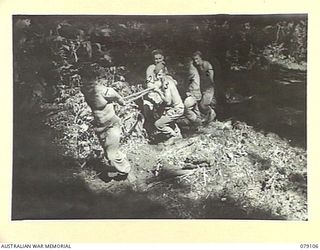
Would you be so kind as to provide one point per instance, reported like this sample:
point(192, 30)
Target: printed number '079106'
point(309, 245)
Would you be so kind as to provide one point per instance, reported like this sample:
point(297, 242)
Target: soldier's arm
point(113, 96)
point(210, 71)
point(150, 73)
point(193, 75)
point(150, 81)
point(193, 80)
point(176, 98)
point(161, 94)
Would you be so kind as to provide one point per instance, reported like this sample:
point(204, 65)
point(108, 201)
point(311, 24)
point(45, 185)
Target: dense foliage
point(50, 50)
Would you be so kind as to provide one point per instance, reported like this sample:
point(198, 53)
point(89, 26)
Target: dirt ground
point(225, 170)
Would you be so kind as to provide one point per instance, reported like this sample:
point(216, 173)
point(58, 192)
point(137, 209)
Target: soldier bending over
point(101, 100)
point(173, 105)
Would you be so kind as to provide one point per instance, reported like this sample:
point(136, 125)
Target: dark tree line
point(50, 51)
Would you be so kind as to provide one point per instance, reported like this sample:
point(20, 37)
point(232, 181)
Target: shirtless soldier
point(101, 100)
point(201, 90)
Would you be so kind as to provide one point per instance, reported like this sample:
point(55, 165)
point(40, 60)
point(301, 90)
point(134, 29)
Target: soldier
point(172, 102)
point(201, 94)
point(158, 57)
point(152, 101)
point(101, 100)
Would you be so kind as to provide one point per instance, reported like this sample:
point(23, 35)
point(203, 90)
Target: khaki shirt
point(171, 95)
point(152, 81)
point(194, 82)
point(206, 75)
point(150, 75)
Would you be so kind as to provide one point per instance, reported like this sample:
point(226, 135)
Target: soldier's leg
point(192, 110)
point(163, 123)
point(148, 112)
point(206, 100)
point(111, 144)
point(205, 104)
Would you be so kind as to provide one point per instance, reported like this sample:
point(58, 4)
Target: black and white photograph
point(160, 117)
